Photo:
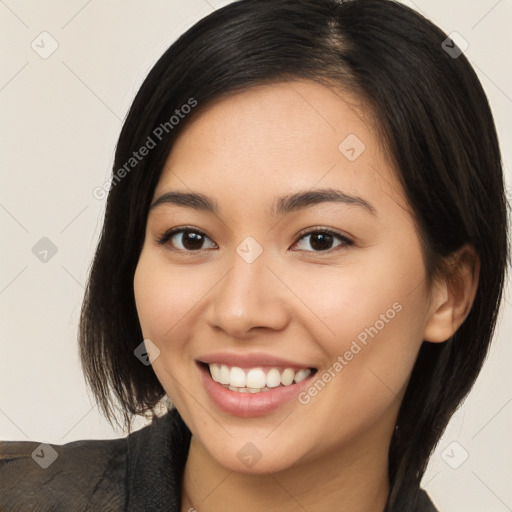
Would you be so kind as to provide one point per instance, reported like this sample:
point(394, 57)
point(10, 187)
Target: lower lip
point(250, 404)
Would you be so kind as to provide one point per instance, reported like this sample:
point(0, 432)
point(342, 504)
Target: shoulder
point(40, 476)
point(425, 503)
point(141, 471)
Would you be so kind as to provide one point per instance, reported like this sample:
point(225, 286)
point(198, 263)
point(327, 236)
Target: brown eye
point(185, 239)
point(322, 241)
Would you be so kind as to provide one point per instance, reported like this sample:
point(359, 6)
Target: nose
point(249, 298)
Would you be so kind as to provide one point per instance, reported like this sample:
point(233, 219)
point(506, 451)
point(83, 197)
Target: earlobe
point(453, 295)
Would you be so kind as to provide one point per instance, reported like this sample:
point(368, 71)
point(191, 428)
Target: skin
point(292, 301)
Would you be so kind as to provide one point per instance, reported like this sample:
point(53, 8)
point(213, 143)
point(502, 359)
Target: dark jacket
point(138, 473)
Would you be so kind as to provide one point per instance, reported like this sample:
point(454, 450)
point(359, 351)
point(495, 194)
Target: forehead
point(278, 138)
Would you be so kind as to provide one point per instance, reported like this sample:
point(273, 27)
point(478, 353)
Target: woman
point(304, 248)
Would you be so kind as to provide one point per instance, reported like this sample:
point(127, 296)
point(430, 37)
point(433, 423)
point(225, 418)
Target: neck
point(353, 479)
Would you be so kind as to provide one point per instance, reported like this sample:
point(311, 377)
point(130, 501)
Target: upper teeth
point(255, 378)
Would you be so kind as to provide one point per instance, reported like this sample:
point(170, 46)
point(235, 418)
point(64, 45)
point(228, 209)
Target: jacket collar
point(155, 464)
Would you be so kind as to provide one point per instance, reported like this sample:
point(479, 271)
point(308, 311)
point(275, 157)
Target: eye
point(321, 240)
point(185, 239)
point(192, 240)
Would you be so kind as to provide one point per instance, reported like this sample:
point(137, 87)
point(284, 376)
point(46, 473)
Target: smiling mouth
point(256, 379)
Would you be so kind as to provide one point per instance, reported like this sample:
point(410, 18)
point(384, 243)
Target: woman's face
point(247, 288)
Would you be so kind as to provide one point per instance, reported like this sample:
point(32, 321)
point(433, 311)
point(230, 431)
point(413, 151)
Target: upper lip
point(250, 360)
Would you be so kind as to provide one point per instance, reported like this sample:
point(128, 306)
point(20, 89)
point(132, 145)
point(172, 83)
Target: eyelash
point(167, 235)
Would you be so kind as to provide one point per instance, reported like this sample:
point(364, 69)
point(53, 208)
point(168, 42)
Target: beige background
point(61, 117)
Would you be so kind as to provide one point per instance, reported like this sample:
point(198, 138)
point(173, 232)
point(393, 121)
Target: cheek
point(362, 300)
point(377, 335)
point(376, 316)
point(163, 296)
point(375, 312)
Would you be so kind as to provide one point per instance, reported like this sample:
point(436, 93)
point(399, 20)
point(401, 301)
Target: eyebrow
point(282, 205)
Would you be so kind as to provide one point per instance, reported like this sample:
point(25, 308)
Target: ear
point(453, 295)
